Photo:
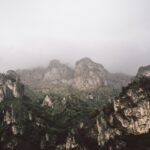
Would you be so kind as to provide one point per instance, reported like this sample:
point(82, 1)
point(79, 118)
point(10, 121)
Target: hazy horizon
point(114, 33)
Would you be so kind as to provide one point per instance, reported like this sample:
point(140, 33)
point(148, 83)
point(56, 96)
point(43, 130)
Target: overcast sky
point(115, 33)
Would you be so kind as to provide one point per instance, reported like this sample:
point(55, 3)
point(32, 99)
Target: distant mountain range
point(87, 75)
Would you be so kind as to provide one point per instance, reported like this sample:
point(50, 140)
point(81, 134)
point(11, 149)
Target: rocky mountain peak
point(12, 74)
point(144, 71)
point(10, 86)
point(87, 75)
point(57, 72)
point(54, 63)
point(87, 62)
point(87, 66)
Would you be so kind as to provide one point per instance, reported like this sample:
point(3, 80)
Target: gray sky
point(115, 33)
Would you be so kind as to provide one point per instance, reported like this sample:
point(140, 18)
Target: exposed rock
point(129, 114)
point(47, 137)
point(81, 125)
point(87, 75)
point(14, 130)
point(63, 101)
point(57, 71)
point(1, 95)
point(7, 118)
point(144, 71)
point(47, 102)
point(12, 74)
point(10, 86)
point(30, 116)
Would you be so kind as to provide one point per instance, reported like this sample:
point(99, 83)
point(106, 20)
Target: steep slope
point(25, 125)
point(29, 125)
point(127, 119)
point(10, 86)
point(59, 78)
point(143, 71)
point(57, 72)
point(123, 124)
point(70, 123)
point(89, 75)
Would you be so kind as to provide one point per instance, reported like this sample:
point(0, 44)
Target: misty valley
point(84, 107)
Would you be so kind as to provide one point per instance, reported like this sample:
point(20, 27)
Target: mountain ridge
point(73, 122)
point(87, 75)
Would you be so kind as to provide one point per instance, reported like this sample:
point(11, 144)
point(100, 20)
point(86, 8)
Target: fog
point(115, 33)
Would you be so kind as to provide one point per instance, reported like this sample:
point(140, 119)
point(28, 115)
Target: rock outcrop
point(10, 86)
point(128, 116)
point(86, 76)
point(74, 123)
point(57, 72)
point(24, 125)
point(89, 75)
point(47, 102)
point(143, 71)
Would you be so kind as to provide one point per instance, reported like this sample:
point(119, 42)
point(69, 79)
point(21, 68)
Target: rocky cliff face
point(143, 71)
point(89, 75)
point(123, 124)
point(127, 118)
point(25, 125)
point(57, 72)
point(10, 86)
point(70, 123)
point(47, 102)
point(86, 76)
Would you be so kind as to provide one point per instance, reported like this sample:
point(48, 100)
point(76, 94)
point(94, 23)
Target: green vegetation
point(33, 122)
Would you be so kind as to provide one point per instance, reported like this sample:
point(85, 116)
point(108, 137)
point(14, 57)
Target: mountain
point(143, 71)
point(52, 123)
point(30, 125)
point(73, 122)
point(10, 86)
point(22, 127)
point(57, 72)
point(60, 78)
point(125, 123)
point(89, 75)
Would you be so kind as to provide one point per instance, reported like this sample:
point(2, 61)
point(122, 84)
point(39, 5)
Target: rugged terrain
point(60, 78)
point(74, 122)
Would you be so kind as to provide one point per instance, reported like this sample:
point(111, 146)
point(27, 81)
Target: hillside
point(86, 76)
point(74, 122)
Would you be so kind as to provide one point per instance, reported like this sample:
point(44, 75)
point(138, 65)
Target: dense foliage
point(26, 125)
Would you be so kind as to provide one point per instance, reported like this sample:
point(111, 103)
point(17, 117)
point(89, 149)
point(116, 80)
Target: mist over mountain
point(87, 75)
point(115, 58)
point(74, 75)
point(114, 33)
point(82, 121)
